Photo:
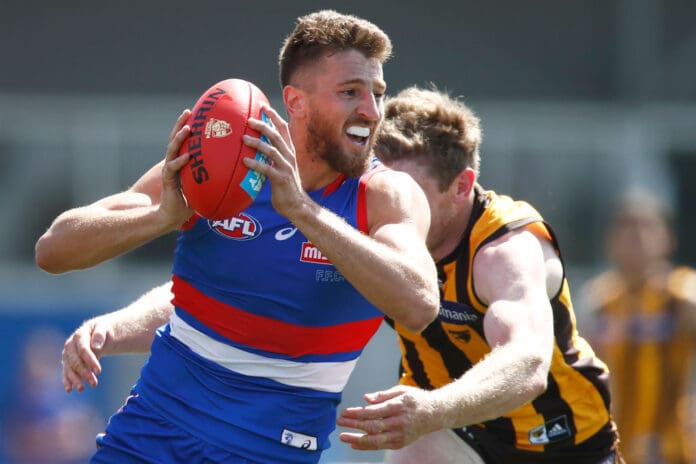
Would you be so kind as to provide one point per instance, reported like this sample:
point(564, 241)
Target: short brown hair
point(328, 31)
point(432, 127)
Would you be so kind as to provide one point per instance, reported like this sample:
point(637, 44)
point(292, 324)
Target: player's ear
point(465, 182)
point(295, 101)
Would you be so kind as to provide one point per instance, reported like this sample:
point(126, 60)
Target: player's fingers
point(171, 168)
point(384, 395)
point(365, 412)
point(87, 359)
point(71, 380)
point(78, 382)
point(280, 124)
point(271, 152)
point(263, 169)
point(179, 162)
point(70, 354)
point(183, 117)
point(88, 376)
point(376, 425)
point(175, 143)
point(386, 440)
point(274, 138)
point(75, 366)
point(84, 372)
point(78, 359)
point(65, 378)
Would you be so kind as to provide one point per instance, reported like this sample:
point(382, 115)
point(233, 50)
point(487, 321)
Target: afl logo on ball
point(240, 227)
point(217, 128)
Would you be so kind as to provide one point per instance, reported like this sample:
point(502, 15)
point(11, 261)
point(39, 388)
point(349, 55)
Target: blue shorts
point(137, 434)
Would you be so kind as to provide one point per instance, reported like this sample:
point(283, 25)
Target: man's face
point(345, 95)
point(638, 238)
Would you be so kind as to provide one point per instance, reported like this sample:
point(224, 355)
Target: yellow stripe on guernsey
point(435, 357)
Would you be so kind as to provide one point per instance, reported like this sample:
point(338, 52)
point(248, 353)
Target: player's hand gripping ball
point(215, 181)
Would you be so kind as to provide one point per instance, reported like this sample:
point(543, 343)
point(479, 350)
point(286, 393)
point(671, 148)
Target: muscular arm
point(88, 235)
point(127, 330)
point(510, 274)
point(391, 267)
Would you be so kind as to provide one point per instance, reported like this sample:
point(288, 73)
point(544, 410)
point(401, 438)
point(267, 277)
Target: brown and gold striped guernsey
point(573, 411)
point(645, 336)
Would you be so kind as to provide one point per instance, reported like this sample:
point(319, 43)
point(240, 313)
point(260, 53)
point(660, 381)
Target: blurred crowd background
point(579, 101)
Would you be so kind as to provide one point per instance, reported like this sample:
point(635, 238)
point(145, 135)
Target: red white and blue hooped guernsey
point(265, 333)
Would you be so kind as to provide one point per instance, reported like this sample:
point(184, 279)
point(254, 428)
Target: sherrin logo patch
point(217, 128)
point(240, 227)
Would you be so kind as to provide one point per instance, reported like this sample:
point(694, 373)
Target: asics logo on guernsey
point(240, 227)
point(286, 233)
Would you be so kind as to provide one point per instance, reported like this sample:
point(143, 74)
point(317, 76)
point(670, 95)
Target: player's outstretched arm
point(85, 236)
point(128, 330)
point(511, 276)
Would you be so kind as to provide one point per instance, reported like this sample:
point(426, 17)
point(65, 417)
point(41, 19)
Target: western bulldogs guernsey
point(265, 332)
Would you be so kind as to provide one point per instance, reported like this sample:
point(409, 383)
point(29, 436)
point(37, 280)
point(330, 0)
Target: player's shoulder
point(682, 283)
point(393, 196)
point(602, 289)
point(385, 181)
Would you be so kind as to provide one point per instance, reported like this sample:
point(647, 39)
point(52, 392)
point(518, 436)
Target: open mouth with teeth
point(358, 134)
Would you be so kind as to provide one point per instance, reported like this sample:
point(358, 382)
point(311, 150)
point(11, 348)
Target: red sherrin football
point(215, 181)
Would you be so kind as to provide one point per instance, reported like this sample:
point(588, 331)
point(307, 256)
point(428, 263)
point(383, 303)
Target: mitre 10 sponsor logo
point(240, 227)
point(311, 254)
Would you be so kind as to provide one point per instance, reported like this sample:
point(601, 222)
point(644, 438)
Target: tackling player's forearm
point(506, 379)
point(131, 329)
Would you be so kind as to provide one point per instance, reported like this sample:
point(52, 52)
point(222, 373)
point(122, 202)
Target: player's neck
point(647, 274)
point(315, 173)
point(452, 234)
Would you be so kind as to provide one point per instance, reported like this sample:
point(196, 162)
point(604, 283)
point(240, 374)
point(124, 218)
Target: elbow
point(538, 375)
point(426, 312)
point(45, 258)
point(538, 385)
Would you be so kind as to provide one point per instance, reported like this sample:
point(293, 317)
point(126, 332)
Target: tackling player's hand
point(81, 353)
point(395, 418)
